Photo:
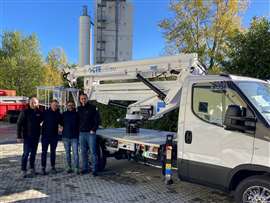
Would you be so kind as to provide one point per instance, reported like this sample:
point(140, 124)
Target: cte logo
point(95, 69)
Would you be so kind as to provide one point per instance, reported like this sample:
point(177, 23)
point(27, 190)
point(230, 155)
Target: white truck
point(223, 137)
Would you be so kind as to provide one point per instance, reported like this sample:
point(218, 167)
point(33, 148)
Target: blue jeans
point(72, 144)
point(88, 141)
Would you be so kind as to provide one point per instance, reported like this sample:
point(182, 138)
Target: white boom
point(153, 84)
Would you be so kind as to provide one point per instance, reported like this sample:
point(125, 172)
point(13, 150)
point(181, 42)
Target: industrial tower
point(84, 38)
point(112, 31)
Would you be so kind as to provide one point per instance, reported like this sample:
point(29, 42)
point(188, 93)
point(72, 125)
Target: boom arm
point(154, 84)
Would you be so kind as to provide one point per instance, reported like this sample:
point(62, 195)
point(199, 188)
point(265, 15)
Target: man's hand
point(60, 129)
point(19, 140)
point(92, 132)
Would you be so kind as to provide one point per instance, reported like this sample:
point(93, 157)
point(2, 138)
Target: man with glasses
point(70, 136)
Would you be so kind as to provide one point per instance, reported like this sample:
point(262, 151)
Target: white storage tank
point(84, 38)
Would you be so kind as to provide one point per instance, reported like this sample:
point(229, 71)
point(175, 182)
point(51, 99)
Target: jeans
point(30, 146)
point(88, 141)
point(45, 144)
point(74, 144)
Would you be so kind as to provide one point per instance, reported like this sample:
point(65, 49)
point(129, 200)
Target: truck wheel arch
point(244, 171)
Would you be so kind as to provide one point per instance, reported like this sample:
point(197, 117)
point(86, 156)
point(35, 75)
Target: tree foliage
point(20, 63)
point(249, 51)
point(202, 27)
point(56, 58)
point(52, 76)
point(22, 67)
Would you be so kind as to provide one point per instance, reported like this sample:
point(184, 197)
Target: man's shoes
point(53, 170)
point(83, 172)
point(69, 170)
point(24, 174)
point(33, 172)
point(44, 171)
point(77, 171)
point(95, 174)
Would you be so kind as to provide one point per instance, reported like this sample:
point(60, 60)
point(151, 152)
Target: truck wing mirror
point(234, 120)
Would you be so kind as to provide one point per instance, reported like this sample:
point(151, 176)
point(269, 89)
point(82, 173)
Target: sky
point(55, 22)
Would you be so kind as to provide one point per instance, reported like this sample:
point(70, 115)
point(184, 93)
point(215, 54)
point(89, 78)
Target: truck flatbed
point(154, 138)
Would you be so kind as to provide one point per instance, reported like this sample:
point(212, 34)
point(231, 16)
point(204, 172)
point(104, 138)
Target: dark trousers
point(45, 144)
point(30, 146)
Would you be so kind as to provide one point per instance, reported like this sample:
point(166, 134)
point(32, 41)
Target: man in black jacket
point(52, 119)
point(71, 136)
point(28, 132)
point(89, 121)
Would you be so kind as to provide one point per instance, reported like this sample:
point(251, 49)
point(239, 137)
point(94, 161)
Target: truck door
point(210, 151)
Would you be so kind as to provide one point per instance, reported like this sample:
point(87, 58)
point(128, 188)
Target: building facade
point(112, 31)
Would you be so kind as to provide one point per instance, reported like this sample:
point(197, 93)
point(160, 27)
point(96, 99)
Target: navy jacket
point(88, 118)
point(28, 124)
point(51, 120)
point(70, 125)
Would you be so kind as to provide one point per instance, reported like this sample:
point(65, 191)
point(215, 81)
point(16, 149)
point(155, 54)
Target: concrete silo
point(84, 38)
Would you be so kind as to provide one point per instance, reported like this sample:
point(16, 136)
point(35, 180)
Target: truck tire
point(102, 158)
point(253, 189)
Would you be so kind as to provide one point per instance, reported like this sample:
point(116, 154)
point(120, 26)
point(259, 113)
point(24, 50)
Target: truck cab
point(223, 135)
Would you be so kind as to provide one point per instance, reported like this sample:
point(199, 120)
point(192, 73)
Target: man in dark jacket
point(28, 132)
point(89, 121)
point(71, 136)
point(52, 119)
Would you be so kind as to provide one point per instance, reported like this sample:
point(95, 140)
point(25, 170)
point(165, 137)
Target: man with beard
point(52, 119)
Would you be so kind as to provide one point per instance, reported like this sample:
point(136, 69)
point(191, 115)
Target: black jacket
point(51, 120)
point(88, 118)
point(28, 124)
point(70, 124)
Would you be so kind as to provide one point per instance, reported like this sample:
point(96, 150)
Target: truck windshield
point(259, 94)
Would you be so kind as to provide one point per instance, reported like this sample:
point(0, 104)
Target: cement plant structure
point(112, 31)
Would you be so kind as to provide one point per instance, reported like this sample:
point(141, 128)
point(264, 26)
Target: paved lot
point(122, 181)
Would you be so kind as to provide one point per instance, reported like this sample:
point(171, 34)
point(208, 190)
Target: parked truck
point(223, 136)
point(11, 105)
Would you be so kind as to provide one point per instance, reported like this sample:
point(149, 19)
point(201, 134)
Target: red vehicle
point(10, 107)
point(7, 92)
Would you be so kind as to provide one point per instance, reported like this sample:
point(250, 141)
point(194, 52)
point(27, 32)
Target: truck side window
point(233, 98)
point(207, 104)
point(211, 100)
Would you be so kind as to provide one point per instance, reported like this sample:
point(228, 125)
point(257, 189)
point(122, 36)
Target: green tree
point(202, 27)
point(249, 51)
point(55, 61)
point(51, 76)
point(20, 63)
point(57, 58)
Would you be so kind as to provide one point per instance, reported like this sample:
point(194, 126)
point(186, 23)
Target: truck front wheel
point(255, 189)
